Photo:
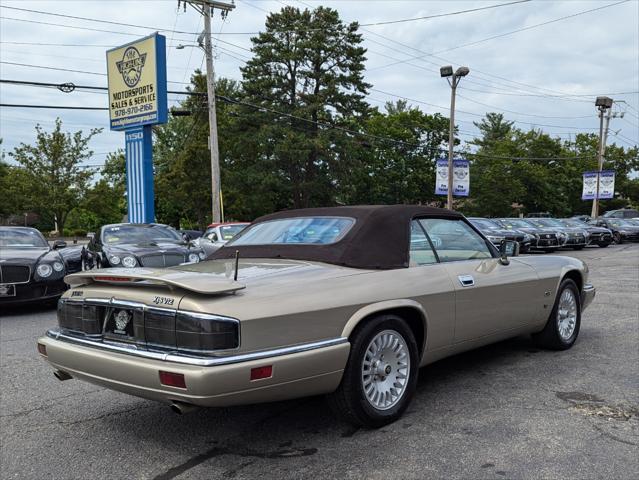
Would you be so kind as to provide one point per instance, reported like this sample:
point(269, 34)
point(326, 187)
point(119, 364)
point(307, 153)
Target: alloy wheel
point(386, 369)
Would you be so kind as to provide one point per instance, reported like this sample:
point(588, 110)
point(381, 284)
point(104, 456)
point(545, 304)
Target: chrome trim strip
point(173, 357)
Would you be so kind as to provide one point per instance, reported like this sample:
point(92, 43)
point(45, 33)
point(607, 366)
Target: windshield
point(546, 222)
point(22, 238)
point(117, 234)
point(571, 222)
point(515, 223)
point(229, 231)
point(620, 223)
point(484, 223)
point(302, 230)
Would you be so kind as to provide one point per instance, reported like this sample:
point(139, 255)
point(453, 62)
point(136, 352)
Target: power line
point(69, 87)
point(504, 34)
point(87, 19)
point(427, 17)
point(56, 107)
point(46, 67)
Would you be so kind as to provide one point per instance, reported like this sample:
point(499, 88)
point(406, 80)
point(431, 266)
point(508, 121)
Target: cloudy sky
point(542, 76)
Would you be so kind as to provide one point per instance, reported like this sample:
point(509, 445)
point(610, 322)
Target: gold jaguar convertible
point(344, 301)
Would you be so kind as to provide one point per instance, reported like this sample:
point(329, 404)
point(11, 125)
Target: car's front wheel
point(617, 238)
point(562, 328)
point(603, 245)
point(381, 374)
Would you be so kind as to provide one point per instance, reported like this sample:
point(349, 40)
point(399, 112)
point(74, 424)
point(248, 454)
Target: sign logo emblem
point(121, 321)
point(131, 66)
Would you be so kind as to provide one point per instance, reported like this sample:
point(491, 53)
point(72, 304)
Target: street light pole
point(454, 80)
point(451, 143)
point(206, 7)
point(602, 104)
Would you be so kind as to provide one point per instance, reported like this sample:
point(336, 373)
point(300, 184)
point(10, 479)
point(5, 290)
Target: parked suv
point(622, 213)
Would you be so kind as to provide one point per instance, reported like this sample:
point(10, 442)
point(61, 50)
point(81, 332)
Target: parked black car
point(545, 239)
point(622, 213)
point(139, 245)
point(30, 269)
point(596, 235)
point(496, 233)
point(622, 230)
point(571, 237)
point(191, 234)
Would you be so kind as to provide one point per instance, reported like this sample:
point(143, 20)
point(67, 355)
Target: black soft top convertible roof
point(379, 239)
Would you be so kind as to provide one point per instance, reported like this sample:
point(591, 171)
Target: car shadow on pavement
point(284, 419)
point(28, 308)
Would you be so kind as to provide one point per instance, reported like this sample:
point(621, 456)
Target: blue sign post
point(138, 100)
point(139, 174)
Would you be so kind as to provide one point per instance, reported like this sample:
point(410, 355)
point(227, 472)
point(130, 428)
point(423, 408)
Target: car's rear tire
point(381, 373)
point(562, 329)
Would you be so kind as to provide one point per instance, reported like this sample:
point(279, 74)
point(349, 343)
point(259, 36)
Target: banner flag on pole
point(607, 184)
point(589, 191)
point(606, 179)
point(441, 177)
point(461, 177)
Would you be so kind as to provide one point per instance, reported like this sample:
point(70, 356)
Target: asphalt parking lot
point(505, 411)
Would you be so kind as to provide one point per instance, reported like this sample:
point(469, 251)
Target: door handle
point(466, 280)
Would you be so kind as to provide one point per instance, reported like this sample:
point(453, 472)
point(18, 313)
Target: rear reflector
point(261, 372)
point(42, 349)
point(171, 379)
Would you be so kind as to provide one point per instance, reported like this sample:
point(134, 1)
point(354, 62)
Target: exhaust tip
point(62, 376)
point(181, 408)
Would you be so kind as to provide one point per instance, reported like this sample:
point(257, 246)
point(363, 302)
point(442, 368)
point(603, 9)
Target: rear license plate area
point(119, 323)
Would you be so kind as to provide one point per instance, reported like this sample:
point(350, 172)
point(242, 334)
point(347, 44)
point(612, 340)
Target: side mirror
point(508, 248)
point(59, 244)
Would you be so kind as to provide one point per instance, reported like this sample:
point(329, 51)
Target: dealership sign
point(137, 100)
point(137, 83)
point(461, 178)
point(606, 181)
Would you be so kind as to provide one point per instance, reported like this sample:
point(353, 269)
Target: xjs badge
point(121, 321)
point(163, 300)
point(131, 66)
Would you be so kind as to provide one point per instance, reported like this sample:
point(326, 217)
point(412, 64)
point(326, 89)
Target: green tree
point(308, 65)
point(493, 128)
point(401, 171)
point(53, 167)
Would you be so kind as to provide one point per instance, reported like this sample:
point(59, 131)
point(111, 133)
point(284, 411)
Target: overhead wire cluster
point(511, 87)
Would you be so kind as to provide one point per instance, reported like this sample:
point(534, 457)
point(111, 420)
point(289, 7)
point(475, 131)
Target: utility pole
point(456, 77)
point(602, 104)
point(206, 8)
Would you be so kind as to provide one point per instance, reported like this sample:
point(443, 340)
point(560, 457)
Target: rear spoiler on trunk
point(205, 283)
